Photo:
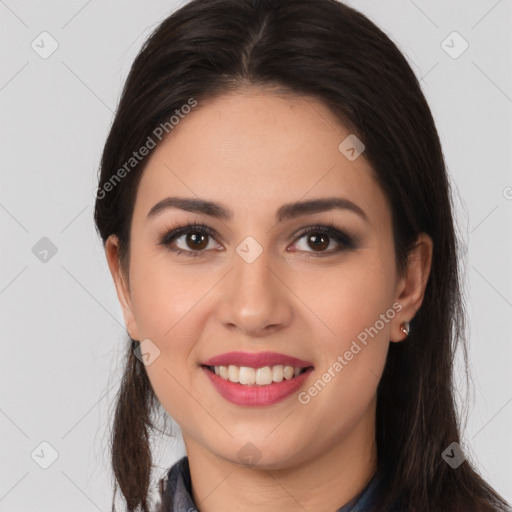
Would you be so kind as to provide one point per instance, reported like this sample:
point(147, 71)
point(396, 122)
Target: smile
point(256, 379)
point(264, 376)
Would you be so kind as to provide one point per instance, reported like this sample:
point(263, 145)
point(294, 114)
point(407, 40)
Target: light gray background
point(62, 332)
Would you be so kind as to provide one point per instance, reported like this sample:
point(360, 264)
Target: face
point(315, 289)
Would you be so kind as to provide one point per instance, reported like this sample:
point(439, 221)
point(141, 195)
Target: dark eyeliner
point(179, 230)
point(345, 241)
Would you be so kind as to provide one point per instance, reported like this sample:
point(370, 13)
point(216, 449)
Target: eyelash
point(346, 241)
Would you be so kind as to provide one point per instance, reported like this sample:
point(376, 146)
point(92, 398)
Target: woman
point(276, 216)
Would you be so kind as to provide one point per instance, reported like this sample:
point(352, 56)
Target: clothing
point(176, 493)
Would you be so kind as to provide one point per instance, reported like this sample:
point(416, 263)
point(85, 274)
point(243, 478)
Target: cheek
point(167, 302)
point(163, 293)
point(349, 298)
point(169, 308)
point(354, 303)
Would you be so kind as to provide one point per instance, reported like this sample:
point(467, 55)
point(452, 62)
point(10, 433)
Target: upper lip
point(256, 360)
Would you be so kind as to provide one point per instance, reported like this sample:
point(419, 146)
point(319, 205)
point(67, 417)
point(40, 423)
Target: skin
point(254, 151)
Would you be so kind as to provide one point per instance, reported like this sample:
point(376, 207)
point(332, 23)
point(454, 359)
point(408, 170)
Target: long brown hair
point(326, 50)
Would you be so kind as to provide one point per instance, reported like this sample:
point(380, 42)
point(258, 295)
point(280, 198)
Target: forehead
point(255, 151)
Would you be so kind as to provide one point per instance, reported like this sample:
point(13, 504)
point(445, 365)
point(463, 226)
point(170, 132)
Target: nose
point(254, 298)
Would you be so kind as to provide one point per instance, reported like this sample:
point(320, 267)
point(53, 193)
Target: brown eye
point(196, 240)
point(322, 240)
point(318, 241)
point(190, 240)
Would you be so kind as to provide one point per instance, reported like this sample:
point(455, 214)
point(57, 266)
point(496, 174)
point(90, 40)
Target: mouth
point(262, 376)
point(256, 378)
point(251, 394)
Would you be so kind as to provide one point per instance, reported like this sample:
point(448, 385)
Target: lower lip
point(254, 395)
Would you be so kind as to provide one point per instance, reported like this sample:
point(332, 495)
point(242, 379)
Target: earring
point(405, 328)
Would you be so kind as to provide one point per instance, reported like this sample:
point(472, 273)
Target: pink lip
point(256, 360)
point(256, 395)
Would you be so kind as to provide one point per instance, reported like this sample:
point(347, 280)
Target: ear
point(122, 286)
point(411, 287)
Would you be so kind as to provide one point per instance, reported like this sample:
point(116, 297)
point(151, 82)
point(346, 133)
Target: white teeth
point(233, 372)
point(247, 375)
point(261, 376)
point(264, 376)
point(277, 373)
point(288, 372)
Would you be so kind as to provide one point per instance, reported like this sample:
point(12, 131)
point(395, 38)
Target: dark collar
point(176, 492)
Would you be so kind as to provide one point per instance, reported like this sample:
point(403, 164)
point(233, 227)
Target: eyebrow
point(285, 212)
